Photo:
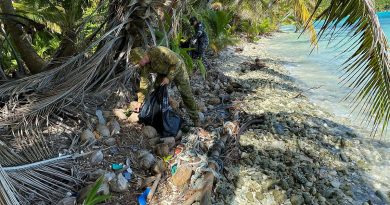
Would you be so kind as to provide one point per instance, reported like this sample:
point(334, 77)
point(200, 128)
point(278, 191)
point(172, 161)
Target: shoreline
point(295, 127)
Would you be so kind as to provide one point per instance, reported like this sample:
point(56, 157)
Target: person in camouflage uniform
point(169, 67)
point(200, 39)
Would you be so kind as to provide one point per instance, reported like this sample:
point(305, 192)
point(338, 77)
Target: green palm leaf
point(367, 71)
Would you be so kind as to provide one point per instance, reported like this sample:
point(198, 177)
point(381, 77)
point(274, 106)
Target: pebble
point(382, 196)
point(103, 130)
point(110, 141)
point(162, 150)
point(97, 157)
point(114, 127)
point(297, 200)
point(87, 136)
point(214, 101)
point(335, 183)
point(201, 117)
point(146, 160)
point(67, 201)
point(119, 184)
point(149, 132)
point(120, 114)
point(93, 176)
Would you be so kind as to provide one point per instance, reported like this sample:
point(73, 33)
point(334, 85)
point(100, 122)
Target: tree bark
point(30, 57)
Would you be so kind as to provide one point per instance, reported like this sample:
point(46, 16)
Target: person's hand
point(137, 107)
point(165, 81)
point(193, 42)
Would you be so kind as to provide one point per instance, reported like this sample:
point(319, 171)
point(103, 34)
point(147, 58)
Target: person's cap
point(137, 54)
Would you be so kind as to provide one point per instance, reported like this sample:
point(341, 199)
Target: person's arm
point(199, 31)
point(143, 85)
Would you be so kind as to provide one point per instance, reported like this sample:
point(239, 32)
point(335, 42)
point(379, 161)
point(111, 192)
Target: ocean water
point(321, 69)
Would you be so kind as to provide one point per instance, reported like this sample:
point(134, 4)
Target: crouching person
point(169, 67)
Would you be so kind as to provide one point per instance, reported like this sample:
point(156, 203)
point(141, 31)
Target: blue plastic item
point(142, 199)
point(127, 174)
point(116, 166)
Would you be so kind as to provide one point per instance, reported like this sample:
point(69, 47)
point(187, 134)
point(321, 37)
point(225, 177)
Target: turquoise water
point(322, 68)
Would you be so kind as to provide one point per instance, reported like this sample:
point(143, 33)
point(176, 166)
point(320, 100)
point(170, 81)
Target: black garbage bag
point(171, 121)
point(157, 112)
point(150, 113)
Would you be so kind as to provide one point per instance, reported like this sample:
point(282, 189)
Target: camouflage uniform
point(167, 63)
point(202, 41)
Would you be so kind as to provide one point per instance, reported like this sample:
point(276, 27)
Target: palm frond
point(367, 71)
point(303, 16)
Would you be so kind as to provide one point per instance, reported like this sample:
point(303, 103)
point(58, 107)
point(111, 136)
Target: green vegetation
point(382, 5)
point(88, 37)
point(92, 196)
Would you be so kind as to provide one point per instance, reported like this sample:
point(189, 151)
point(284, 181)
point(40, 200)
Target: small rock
point(114, 127)
point(103, 130)
point(149, 132)
point(307, 197)
point(201, 117)
point(249, 197)
point(119, 184)
point(162, 150)
point(382, 196)
point(343, 157)
point(120, 114)
point(93, 176)
point(179, 135)
point(146, 160)
point(210, 107)
point(170, 141)
point(297, 200)
point(214, 101)
point(182, 176)
point(87, 136)
point(154, 141)
point(217, 87)
point(335, 183)
point(229, 89)
point(321, 199)
point(110, 141)
point(97, 157)
point(133, 118)
point(108, 176)
point(68, 201)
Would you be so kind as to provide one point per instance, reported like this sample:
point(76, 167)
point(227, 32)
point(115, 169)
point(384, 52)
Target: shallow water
point(319, 73)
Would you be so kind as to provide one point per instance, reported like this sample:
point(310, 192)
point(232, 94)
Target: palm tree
point(78, 85)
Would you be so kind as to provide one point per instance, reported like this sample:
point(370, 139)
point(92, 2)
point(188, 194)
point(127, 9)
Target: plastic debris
point(174, 169)
point(142, 199)
point(128, 174)
point(116, 166)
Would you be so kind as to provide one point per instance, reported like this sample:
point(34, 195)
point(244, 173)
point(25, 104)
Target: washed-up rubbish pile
point(192, 167)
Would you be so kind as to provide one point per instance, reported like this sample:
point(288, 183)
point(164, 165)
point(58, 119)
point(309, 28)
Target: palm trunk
point(30, 57)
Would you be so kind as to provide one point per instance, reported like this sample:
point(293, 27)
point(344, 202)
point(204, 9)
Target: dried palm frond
point(367, 71)
point(303, 15)
point(32, 172)
point(30, 166)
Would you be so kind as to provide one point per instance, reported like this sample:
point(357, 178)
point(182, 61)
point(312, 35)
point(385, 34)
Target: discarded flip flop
point(142, 199)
